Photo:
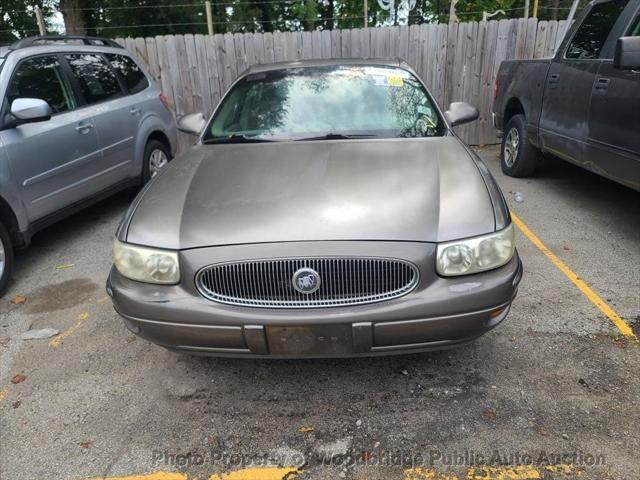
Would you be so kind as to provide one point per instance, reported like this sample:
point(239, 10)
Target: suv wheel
point(156, 156)
point(6, 258)
point(518, 157)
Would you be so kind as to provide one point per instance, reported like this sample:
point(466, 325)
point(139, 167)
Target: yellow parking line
point(427, 474)
point(577, 281)
point(100, 301)
point(515, 472)
point(55, 342)
point(151, 476)
point(519, 472)
point(263, 473)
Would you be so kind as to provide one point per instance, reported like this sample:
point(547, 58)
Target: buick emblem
point(306, 280)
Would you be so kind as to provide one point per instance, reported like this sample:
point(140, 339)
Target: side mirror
point(627, 54)
point(27, 110)
point(461, 112)
point(192, 123)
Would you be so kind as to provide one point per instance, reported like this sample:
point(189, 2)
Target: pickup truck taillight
point(165, 101)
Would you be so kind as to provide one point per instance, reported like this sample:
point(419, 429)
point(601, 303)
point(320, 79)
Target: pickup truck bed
point(582, 105)
point(522, 83)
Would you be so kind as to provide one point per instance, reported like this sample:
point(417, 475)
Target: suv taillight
point(165, 101)
point(496, 87)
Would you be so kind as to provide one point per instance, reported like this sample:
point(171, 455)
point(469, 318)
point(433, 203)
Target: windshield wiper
point(236, 139)
point(335, 136)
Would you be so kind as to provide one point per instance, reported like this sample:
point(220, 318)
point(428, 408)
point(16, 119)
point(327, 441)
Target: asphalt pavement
point(551, 393)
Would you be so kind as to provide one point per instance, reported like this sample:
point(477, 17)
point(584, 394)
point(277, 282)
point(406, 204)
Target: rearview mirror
point(27, 110)
point(627, 54)
point(461, 112)
point(192, 123)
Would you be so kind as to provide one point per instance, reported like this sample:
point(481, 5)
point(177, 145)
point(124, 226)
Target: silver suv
point(78, 121)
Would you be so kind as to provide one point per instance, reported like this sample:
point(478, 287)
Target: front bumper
point(440, 313)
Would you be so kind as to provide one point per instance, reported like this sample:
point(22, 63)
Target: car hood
point(426, 190)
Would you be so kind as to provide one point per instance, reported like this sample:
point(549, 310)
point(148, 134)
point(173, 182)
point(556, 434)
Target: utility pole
point(207, 6)
point(452, 12)
point(40, 20)
point(526, 8)
point(366, 14)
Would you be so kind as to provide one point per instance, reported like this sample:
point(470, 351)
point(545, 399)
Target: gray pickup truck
point(582, 105)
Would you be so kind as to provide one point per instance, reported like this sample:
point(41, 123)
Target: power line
point(214, 3)
point(235, 22)
point(98, 9)
point(173, 5)
point(481, 12)
point(132, 7)
point(108, 27)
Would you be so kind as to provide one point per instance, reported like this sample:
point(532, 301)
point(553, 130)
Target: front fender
point(500, 208)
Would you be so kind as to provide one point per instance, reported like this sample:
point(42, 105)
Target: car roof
point(51, 44)
point(329, 62)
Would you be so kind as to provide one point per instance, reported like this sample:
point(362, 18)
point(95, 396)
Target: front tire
point(518, 158)
point(6, 258)
point(156, 157)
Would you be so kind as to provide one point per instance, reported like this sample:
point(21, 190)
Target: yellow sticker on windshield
point(395, 80)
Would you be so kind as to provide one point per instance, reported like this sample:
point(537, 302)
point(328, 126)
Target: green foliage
point(121, 18)
point(18, 19)
point(109, 18)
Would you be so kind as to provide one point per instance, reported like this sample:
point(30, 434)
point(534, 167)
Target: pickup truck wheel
point(156, 156)
point(6, 258)
point(518, 157)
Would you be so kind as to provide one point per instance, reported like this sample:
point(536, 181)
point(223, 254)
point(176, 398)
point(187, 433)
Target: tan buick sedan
point(327, 209)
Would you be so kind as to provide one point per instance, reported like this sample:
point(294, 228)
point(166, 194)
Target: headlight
point(478, 254)
point(147, 265)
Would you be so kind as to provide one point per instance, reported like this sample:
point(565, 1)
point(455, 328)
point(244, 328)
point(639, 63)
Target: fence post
point(535, 8)
point(526, 8)
point(40, 21)
point(207, 6)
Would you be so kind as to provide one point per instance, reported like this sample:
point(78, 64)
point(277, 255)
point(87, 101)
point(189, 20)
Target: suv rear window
point(134, 79)
point(96, 79)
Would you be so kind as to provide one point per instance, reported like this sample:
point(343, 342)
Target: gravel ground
point(556, 378)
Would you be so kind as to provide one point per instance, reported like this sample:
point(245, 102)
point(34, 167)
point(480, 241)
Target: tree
point(307, 12)
point(329, 13)
point(18, 18)
point(122, 18)
point(77, 17)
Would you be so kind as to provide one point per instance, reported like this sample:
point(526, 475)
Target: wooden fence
point(458, 62)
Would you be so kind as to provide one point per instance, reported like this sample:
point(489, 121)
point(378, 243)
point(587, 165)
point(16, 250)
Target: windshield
point(326, 102)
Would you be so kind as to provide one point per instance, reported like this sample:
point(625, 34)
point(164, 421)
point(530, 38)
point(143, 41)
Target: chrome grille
point(344, 281)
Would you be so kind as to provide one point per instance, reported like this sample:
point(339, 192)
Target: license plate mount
point(310, 340)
